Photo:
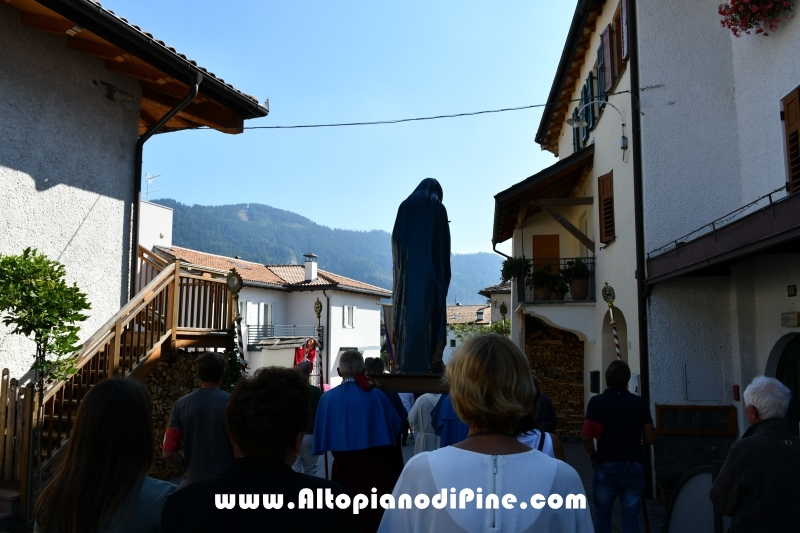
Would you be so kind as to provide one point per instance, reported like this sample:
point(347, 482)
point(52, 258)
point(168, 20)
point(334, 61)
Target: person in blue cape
point(360, 428)
point(421, 259)
point(446, 423)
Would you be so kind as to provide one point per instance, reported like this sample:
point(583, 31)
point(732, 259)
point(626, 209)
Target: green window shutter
point(590, 95)
point(585, 111)
point(601, 94)
point(576, 135)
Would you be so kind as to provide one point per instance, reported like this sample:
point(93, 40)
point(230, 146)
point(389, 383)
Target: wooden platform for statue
point(416, 383)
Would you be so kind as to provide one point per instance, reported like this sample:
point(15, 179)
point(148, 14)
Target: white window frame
point(349, 316)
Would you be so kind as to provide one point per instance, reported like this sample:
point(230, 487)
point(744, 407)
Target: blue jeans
point(625, 479)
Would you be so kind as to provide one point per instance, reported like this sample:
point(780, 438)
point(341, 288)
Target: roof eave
point(105, 25)
point(579, 19)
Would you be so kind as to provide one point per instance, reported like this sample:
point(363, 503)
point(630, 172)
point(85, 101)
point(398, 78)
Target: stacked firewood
point(173, 377)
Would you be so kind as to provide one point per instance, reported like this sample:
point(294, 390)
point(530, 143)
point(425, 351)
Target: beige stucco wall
point(616, 262)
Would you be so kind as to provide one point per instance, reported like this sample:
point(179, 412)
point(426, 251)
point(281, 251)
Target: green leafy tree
point(37, 302)
point(464, 331)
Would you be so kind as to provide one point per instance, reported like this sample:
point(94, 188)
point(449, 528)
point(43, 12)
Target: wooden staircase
point(173, 309)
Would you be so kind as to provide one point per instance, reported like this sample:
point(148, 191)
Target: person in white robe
point(420, 420)
point(489, 481)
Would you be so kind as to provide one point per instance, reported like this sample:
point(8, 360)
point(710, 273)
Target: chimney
point(311, 266)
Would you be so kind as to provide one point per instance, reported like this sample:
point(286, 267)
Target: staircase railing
point(150, 266)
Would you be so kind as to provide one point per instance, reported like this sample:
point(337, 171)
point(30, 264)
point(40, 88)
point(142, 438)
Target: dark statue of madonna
point(421, 255)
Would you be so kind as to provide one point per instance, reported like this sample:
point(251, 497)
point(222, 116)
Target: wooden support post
point(11, 420)
point(521, 217)
point(30, 424)
point(176, 297)
point(578, 234)
point(116, 345)
point(3, 404)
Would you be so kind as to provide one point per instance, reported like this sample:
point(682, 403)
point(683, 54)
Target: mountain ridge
point(268, 235)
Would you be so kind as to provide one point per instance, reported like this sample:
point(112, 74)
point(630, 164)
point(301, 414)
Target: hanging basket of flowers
point(761, 16)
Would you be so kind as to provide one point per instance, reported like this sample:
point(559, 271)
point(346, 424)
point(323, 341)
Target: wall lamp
point(580, 123)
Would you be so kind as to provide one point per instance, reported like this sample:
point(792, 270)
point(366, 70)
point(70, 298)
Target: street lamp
point(577, 122)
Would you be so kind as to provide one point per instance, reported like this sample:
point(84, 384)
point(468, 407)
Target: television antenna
point(149, 179)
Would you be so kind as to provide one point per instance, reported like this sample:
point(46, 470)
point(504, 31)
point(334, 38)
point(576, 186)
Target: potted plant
point(559, 288)
point(742, 16)
point(513, 267)
point(542, 282)
point(576, 274)
point(516, 268)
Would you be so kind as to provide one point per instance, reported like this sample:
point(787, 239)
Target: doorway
point(788, 373)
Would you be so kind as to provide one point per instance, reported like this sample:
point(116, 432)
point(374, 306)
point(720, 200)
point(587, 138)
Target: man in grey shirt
point(197, 425)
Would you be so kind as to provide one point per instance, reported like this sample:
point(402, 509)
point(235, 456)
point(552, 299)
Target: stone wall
point(556, 357)
point(173, 377)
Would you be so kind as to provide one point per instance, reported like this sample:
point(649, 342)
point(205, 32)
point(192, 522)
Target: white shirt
point(408, 399)
point(420, 419)
point(531, 439)
point(522, 475)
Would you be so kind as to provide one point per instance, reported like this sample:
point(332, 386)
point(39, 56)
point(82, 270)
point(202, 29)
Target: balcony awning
point(774, 228)
point(556, 181)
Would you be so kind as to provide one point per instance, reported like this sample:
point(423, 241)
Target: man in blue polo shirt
point(617, 419)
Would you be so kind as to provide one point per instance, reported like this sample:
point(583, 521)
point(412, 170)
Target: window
point(349, 316)
point(546, 251)
point(601, 93)
point(590, 99)
point(585, 112)
point(605, 190)
point(791, 122)
point(452, 343)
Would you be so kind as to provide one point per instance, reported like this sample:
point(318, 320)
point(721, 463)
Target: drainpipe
point(328, 337)
point(642, 290)
point(194, 87)
point(494, 248)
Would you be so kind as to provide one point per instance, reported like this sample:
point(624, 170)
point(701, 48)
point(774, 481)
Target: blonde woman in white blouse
point(503, 484)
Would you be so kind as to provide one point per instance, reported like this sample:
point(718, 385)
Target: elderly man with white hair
point(759, 485)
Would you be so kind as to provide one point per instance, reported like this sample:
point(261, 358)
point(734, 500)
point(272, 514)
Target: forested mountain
point(263, 234)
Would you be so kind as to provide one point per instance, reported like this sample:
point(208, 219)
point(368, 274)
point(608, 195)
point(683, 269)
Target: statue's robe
point(421, 254)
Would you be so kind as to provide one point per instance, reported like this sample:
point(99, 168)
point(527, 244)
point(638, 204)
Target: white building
point(80, 88)
point(277, 304)
point(479, 315)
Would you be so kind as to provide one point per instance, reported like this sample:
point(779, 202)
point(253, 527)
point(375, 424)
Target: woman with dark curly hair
point(267, 418)
point(102, 483)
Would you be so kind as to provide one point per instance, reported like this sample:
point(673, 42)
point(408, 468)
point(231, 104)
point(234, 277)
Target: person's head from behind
point(211, 367)
point(490, 383)
point(766, 398)
point(351, 363)
point(109, 451)
point(375, 365)
point(304, 367)
point(618, 374)
point(268, 413)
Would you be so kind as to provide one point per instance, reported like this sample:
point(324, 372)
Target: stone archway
point(556, 357)
point(784, 364)
point(609, 351)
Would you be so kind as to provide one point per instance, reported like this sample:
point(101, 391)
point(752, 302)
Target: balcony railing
point(561, 280)
point(256, 333)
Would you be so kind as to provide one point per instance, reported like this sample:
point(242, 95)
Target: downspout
point(642, 290)
point(194, 87)
point(328, 336)
point(494, 248)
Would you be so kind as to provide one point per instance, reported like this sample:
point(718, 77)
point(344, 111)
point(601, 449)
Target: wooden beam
point(137, 69)
point(208, 114)
point(46, 23)
point(521, 217)
point(97, 49)
point(586, 241)
point(585, 200)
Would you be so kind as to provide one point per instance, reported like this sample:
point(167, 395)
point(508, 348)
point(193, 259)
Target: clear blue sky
point(321, 62)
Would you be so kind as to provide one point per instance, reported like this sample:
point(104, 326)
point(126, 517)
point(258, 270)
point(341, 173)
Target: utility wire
point(398, 121)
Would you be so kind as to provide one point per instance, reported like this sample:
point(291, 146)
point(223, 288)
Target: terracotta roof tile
point(468, 314)
point(254, 272)
point(285, 276)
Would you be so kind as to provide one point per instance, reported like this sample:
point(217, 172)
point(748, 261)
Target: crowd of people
point(250, 459)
